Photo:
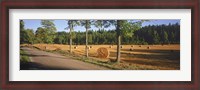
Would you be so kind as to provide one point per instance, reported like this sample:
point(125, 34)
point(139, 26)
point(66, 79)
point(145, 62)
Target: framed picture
point(74, 44)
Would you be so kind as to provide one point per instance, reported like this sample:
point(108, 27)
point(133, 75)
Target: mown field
point(162, 57)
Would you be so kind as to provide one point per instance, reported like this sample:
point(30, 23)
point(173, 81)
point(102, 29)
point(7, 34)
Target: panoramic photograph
point(62, 44)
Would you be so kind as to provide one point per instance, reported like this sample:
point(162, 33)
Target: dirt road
point(48, 61)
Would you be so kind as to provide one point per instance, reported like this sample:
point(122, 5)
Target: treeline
point(94, 37)
point(154, 34)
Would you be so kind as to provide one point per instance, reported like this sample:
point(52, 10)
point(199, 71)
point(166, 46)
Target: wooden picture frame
point(99, 4)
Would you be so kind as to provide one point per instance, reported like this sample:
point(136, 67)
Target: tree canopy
point(151, 34)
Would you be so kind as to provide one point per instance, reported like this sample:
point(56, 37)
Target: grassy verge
point(24, 60)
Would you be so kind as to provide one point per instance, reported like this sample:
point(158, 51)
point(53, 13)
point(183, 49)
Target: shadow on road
point(37, 66)
point(30, 55)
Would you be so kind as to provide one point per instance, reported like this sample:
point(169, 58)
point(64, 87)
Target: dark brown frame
point(99, 4)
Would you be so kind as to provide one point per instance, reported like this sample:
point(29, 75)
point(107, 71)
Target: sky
point(62, 24)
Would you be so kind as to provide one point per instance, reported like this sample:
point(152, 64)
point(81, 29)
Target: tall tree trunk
point(118, 48)
point(118, 40)
point(86, 39)
point(70, 47)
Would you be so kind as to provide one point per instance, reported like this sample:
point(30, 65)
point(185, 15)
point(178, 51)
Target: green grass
point(24, 59)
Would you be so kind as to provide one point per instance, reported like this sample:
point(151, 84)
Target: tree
point(61, 38)
point(30, 36)
point(145, 35)
point(50, 30)
point(41, 35)
point(27, 36)
point(166, 37)
point(21, 25)
point(22, 32)
point(118, 30)
point(159, 34)
point(87, 25)
point(124, 28)
point(101, 24)
point(71, 25)
point(49, 25)
point(156, 37)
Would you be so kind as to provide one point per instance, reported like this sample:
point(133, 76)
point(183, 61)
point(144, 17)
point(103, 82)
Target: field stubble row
point(152, 56)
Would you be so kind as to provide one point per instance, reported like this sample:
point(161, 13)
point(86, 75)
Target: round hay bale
point(90, 46)
point(131, 49)
point(110, 46)
point(75, 47)
point(140, 46)
point(131, 45)
point(121, 46)
point(148, 47)
point(102, 52)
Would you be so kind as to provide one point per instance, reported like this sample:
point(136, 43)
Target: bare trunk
point(118, 48)
point(118, 40)
point(86, 40)
point(70, 47)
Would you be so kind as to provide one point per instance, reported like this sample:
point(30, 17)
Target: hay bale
point(102, 52)
point(148, 47)
point(90, 46)
point(110, 46)
point(131, 49)
point(26, 45)
point(75, 47)
point(121, 46)
point(131, 45)
point(140, 46)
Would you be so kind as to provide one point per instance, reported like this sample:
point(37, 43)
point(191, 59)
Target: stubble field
point(163, 57)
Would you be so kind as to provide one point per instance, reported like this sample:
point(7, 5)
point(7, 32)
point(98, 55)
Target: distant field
point(163, 57)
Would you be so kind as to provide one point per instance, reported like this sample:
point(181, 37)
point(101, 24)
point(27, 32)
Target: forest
point(151, 34)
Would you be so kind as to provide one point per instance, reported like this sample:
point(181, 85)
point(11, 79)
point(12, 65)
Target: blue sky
point(62, 24)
